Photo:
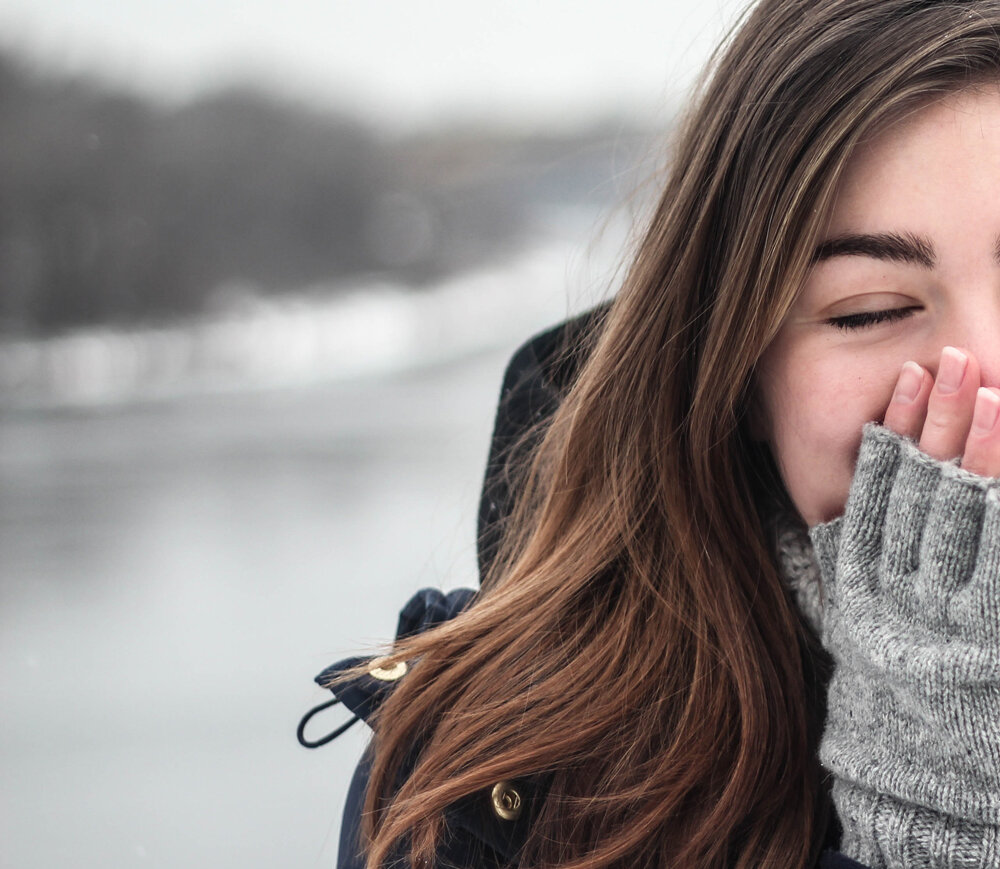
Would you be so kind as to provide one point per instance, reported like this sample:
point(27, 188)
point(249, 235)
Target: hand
point(951, 416)
point(911, 618)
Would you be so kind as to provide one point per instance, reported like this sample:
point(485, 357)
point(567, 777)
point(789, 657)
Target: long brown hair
point(633, 643)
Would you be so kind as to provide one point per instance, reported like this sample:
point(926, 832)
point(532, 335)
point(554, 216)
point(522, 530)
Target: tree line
point(115, 210)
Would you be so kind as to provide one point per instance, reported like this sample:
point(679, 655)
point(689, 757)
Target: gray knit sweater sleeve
point(911, 616)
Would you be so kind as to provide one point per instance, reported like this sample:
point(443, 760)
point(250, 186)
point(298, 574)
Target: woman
point(645, 676)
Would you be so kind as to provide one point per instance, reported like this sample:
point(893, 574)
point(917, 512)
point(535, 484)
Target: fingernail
point(984, 418)
point(951, 370)
point(908, 385)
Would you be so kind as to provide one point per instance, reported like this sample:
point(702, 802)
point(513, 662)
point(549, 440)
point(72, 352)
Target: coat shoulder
point(534, 382)
point(485, 829)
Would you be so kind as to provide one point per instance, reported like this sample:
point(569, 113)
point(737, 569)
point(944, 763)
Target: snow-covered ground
point(318, 334)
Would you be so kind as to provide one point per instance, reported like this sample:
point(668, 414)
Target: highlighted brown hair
point(634, 642)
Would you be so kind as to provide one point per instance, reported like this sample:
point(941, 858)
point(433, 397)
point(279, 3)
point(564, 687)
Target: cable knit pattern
point(911, 616)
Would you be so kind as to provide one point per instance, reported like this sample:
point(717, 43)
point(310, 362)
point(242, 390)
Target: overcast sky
point(407, 62)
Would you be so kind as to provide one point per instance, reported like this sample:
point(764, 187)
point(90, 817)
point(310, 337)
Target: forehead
point(947, 150)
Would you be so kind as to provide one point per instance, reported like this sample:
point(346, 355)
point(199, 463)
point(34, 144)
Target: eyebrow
point(904, 248)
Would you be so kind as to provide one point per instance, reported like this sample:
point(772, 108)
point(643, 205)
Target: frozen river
point(174, 576)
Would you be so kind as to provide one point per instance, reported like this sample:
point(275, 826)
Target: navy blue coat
point(484, 831)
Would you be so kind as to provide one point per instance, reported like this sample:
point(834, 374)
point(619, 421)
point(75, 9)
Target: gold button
point(506, 801)
point(387, 674)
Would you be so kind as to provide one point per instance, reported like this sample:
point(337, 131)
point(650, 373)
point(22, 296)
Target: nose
point(976, 328)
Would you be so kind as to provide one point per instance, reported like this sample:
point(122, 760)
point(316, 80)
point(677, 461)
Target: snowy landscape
point(250, 352)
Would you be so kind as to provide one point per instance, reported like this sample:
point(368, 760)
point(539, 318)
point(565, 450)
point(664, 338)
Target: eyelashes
point(867, 319)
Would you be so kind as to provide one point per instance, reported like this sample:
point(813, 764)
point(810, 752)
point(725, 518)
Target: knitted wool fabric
point(910, 612)
point(798, 567)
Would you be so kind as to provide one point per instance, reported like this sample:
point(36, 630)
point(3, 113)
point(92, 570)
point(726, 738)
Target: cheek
point(816, 409)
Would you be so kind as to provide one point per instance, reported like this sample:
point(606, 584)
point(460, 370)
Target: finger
point(950, 405)
point(908, 407)
point(982, 448)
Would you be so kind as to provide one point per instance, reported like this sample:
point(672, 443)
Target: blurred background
point(261, 267)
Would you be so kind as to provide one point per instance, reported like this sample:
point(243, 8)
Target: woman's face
point(909, 264)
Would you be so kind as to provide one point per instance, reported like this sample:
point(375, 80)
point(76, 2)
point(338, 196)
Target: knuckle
point(940, 423)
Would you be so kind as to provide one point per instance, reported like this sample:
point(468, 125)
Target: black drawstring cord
point(301, 732)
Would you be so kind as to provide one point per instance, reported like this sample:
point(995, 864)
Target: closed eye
point(867, 319)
